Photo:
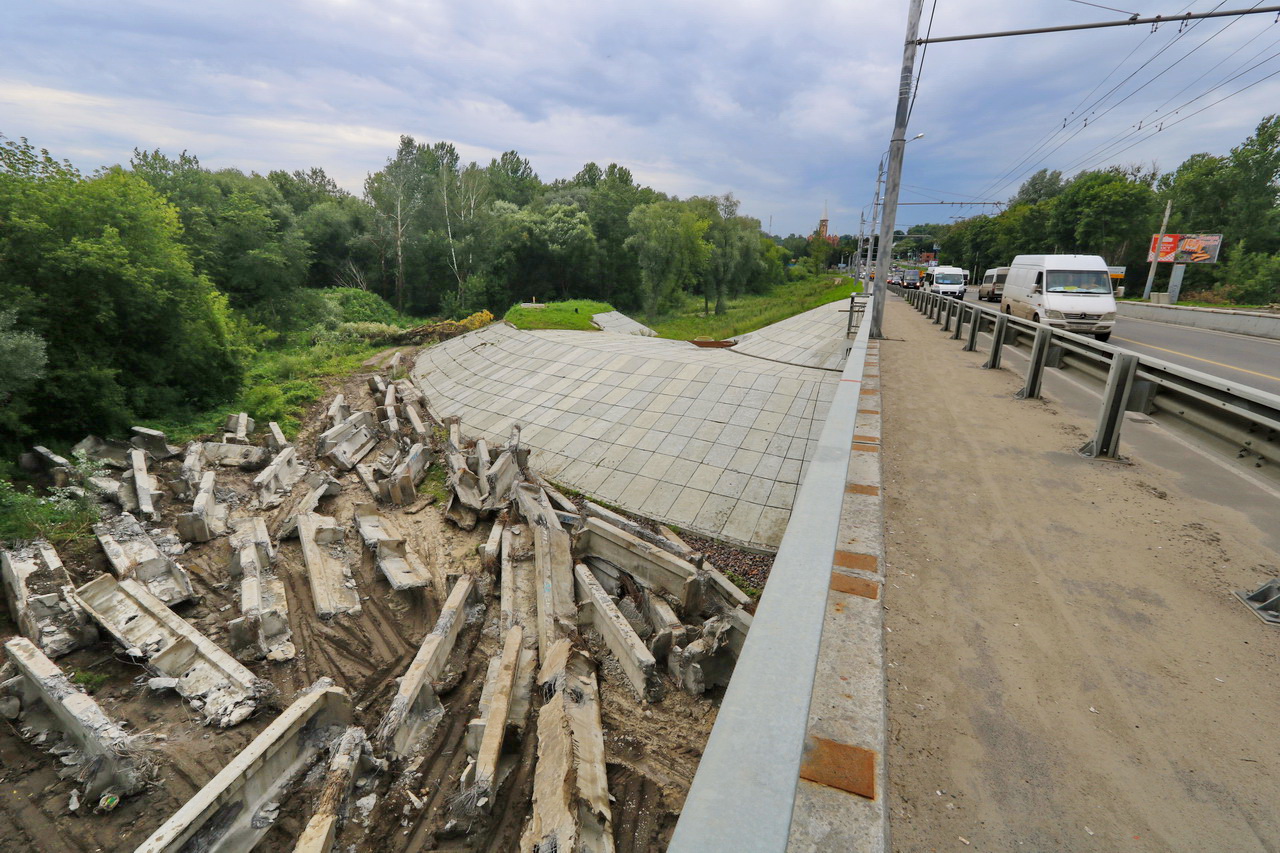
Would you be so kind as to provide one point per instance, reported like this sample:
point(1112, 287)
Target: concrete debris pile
point(262, 631)
point(306, 499)
point(133, 553)
point(208, 518)
point(237, 429)
point(398, 563)
point(239, 805)
point(481, 478)
point(278, 479)
point(213, 683)
point(324, 554)
point(96, 753)
point(349, 441)
point(40, 598)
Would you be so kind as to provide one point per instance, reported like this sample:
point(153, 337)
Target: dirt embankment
point(1067, 667)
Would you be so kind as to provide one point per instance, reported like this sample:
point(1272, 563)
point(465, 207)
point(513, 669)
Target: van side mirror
point(1036, 289)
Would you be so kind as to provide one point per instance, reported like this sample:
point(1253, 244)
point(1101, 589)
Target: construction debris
point(397, 561)
point(350, 441)
point(600, 611)
point(207, 518)
point(275, 438)
point(277, 479)
point(132, 553)
point(246, 457)
point(570, 790)
point(349, 752)
point(239, 805)
point(140, 492)
point(154, 443)
point(315, 486)
point(108, 451)
point(332, 586)
point(238, 428)
point(101, 757)
point(415, 704)
point(262, 631)
point(38, 589)
point(208, 678)
point(400, 486)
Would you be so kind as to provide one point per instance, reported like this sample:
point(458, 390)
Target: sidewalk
point(1067, 667)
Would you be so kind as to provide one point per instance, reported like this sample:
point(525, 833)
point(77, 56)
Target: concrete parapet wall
point(1255, 323)
point(223, 816)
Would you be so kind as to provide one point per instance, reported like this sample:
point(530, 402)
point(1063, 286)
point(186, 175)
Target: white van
point(948, 281)
point(993, 284)
point(1071, 292)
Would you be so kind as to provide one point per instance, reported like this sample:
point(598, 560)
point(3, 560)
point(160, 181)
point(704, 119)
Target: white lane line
point(1237, 335)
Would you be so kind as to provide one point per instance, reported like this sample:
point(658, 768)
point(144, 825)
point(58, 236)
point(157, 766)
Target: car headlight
point(1110, 315)
point(1053, 315)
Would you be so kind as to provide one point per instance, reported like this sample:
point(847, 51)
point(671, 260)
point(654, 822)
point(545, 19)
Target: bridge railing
point(1246, 418)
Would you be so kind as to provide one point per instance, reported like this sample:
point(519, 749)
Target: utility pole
point(896, 146)
point(873, 230)
point(1155, 256)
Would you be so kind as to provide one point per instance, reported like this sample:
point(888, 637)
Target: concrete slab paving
point(815, 338)
point(658, 427)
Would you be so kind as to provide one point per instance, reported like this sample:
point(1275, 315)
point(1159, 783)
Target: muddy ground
point(651, 750)
point(1067, 667)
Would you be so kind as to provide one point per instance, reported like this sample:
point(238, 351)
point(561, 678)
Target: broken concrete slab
point(338, 411)
point(633, 656)
point(188, 483)
point(238, 428)
point(104, 752)
point(491, 550)
point(400, 486)
point(707, 661)
point(133, 553)
point(234, 811)
point(222, 690)
point(315, 486)
point(398, 563)
point(495, 720)
point(262, 631)
point(501, 479)
point(276, 480)
point(246, 457)
point(557, 611)
point(349, 752)
point(58, 467)
point(648, 564)
point(332, 587)
point(108, 451)
point(38, 589)
point(207, 519)
point(464, 482)
point(275, 438)
point(350, 441)
point(154, 443)
point(416, 427)
point(463, 516)
point(144, 487)
point(415, 704)
point(570, 788)
point(388, 412)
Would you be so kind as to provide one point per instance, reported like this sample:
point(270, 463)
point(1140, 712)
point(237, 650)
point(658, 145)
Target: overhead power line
point(1155, 20)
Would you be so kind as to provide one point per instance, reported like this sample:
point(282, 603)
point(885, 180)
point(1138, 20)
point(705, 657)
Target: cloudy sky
point(788, 106)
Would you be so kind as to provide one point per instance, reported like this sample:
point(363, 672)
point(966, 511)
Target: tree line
point(144, 288)
point(1114, 213)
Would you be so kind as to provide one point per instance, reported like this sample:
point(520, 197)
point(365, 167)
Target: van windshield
point(1078, 281)
point(948, 278)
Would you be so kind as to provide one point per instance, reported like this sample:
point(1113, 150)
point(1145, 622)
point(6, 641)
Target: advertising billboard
point(1186, 248)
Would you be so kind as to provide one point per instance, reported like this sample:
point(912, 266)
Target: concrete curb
point(1254, 323)
point(796, 758)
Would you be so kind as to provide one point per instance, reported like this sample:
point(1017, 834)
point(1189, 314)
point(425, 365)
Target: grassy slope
point(748, 313)
point(574, 314)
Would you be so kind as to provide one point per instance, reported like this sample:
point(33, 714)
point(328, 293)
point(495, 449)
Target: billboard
point(1186, 248)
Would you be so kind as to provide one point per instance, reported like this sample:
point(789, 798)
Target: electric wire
point(1099, 6)
point(915, 89)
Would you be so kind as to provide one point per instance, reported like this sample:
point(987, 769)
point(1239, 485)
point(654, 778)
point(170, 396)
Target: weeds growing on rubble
point(59, 515)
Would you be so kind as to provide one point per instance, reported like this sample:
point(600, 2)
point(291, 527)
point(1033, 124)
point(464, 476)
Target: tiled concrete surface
point(616, 321)
point(815, 338)
point(705, 439)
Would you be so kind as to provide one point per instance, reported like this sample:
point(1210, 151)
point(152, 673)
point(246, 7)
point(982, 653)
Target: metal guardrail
point(1241, 414)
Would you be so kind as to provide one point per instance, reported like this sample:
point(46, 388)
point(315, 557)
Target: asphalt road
point(1239, 358)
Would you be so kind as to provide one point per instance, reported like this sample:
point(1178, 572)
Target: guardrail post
point(975, 326)
point(951, 312)
point(997, 342)
point(1035, 368)
point(1105, 443)
point(928, 305)
point(937, 315)
point(955, 333)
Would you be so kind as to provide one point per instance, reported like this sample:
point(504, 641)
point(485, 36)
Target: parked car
point(992, 285)
point(1071, 292)
point(948, 281)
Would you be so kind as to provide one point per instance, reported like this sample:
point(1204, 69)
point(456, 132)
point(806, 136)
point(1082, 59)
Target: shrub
point(352, 305)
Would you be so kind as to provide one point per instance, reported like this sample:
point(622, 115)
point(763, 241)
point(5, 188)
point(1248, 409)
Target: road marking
point(1198, 358)
point(1236, 335)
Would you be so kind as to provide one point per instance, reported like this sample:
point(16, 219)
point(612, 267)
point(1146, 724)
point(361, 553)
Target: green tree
point(667, 239)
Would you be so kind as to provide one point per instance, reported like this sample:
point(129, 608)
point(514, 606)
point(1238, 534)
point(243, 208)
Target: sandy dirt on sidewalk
point(1067, 667)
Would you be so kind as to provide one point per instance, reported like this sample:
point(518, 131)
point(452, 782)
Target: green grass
point(751, 312)
point(90, 681)
point(60, 516)
point(279, 386)
point(574, 314)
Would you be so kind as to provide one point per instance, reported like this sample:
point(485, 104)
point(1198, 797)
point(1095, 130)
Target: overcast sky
point(788, 106)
